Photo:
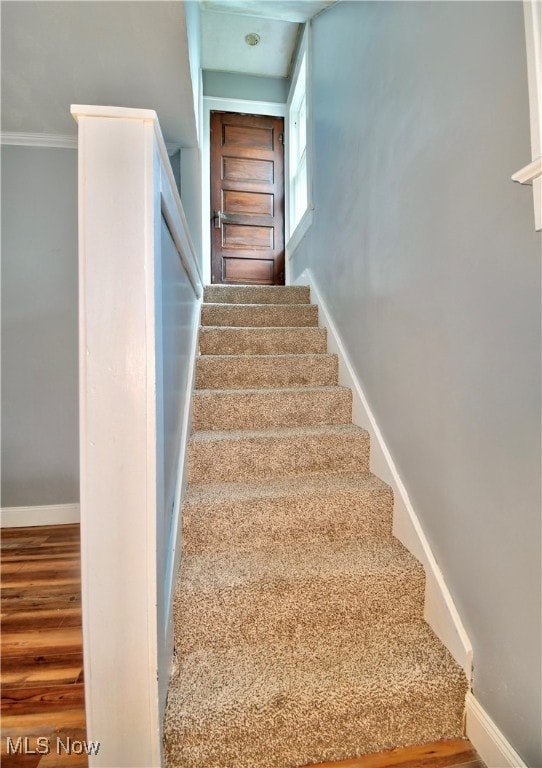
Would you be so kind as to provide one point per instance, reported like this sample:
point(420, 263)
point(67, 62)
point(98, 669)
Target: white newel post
point(118, 210)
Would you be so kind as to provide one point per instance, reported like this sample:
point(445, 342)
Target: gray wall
point(427, 256)
point(237, 86)
point(40, 451)
point(40, 437)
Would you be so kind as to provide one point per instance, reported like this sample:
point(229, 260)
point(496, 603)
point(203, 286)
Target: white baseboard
point(51, 514)
point(439, 611)
point(488, 740)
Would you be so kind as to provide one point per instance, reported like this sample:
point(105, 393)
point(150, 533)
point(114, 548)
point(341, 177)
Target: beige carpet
point(299, 629)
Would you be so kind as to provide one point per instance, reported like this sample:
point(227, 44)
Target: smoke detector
point(252, 38)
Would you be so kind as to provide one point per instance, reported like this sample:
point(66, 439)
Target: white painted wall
point(428, 262)
point(40, 456)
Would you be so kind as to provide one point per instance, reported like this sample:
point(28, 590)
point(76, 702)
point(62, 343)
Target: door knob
point(219, 218)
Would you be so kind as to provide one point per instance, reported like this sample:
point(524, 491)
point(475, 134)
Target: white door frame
point(244, 106)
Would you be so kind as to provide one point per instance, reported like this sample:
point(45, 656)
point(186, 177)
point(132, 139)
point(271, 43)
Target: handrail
point(528, 174)
point(532, 173)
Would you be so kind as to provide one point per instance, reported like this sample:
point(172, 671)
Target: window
point(298, 149)
point(299, 207)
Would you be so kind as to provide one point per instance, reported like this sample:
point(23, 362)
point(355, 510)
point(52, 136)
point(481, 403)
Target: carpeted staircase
point(299, 628)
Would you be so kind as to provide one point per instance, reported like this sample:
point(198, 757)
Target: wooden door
point(247, 199)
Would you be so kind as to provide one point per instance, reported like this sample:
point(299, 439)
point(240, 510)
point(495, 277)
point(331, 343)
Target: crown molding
point(19, 139)
point(54, 141)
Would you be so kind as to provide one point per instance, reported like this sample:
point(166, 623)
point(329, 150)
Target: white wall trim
point(440, 611)
point(217, 103)
point(48, 514)
point(486, 738)
point(56, 141)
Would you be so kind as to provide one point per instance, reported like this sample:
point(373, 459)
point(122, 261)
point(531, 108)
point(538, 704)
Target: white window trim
point(293, 238)
point(300, 231)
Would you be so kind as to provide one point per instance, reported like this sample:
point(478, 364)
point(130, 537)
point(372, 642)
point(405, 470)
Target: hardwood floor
point(43, 711)
point(453, 753)
point(42, 662)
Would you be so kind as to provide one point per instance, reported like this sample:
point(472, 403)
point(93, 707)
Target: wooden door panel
point(247, 188)
point(243, 237)
point(235, 270)
point(248, 138)
point(247, 169)
point(247, 203)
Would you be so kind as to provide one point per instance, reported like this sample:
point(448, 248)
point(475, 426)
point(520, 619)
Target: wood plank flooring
point(42, 650)
point(42, 662)
point(452, 753)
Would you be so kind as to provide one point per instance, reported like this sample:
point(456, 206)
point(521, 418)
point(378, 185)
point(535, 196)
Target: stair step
point(218, 518)
point(298, 617)
point(262, 341)
point(221, 409)
point(216, 457)
point(260, 315)
point(227, 598)
point(246, 371)
point(340, 695)
point(257, 294)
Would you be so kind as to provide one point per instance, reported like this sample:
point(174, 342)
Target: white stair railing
point(140, 289)
point(532, 173)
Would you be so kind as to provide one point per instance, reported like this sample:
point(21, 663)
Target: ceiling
point(284, 10)
point(223, 45)
point(225, 24)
